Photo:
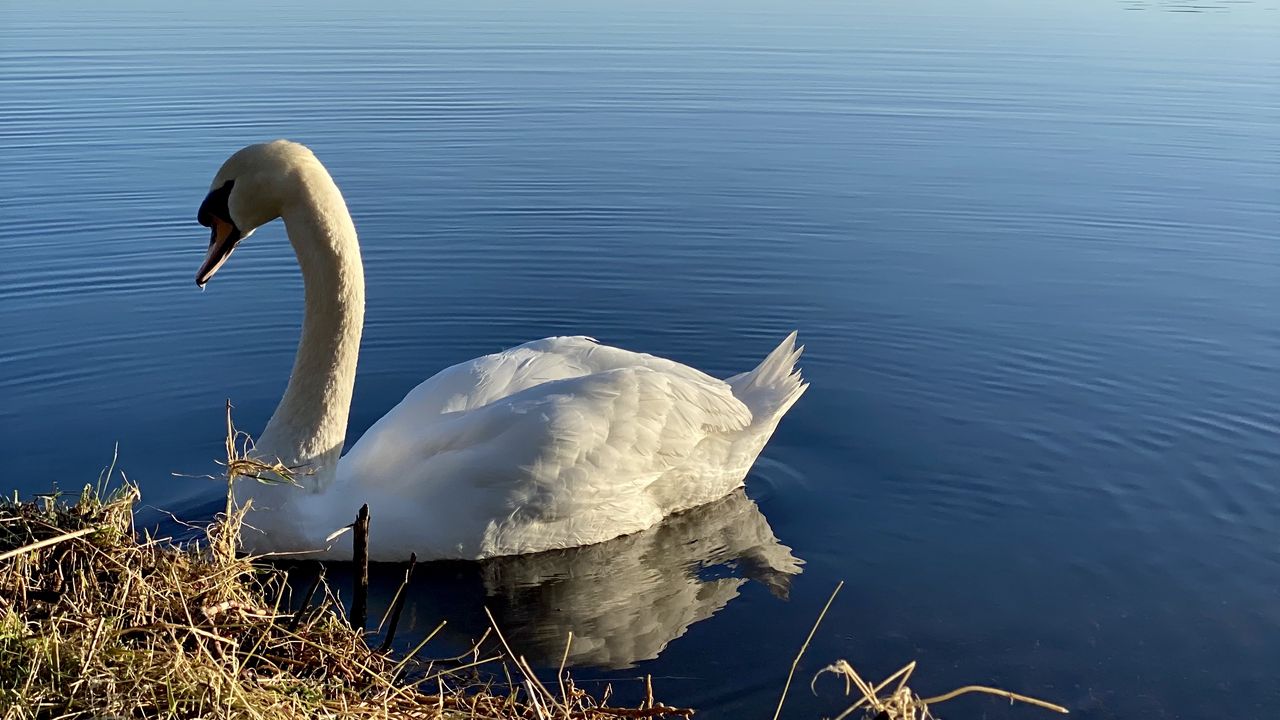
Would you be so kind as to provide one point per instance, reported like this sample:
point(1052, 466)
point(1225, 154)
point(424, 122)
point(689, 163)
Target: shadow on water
point(624, 600)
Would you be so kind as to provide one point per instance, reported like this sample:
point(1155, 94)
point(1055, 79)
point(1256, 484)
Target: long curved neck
point(310, 423)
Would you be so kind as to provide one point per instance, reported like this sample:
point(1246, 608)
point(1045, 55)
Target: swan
point(556, 443)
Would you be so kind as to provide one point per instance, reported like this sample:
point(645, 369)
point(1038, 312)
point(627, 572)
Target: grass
point(900, 703)
point(97, 621)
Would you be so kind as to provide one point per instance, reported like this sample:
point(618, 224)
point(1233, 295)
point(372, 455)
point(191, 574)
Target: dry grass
point(97, 622)
point(900, 703)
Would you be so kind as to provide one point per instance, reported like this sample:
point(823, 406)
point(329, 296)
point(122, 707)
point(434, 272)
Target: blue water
point(1031, 248)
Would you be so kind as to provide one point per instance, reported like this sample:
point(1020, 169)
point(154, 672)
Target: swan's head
point(249, 191)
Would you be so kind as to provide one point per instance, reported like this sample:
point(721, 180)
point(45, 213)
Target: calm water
point(1031, 247)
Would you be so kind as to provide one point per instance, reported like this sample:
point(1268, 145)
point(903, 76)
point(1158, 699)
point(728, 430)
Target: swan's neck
point(310, 423)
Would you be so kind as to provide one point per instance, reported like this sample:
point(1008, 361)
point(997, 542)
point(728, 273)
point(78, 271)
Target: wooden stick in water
point(360, 556)
point(397, 605)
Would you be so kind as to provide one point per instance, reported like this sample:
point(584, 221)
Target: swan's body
point(556, 443)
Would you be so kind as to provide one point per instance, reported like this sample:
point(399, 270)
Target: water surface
point(1030, 246)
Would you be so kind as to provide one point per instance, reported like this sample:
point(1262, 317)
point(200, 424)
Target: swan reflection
point(624, 600)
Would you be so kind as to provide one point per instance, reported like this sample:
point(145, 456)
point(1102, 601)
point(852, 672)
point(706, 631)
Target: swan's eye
point(215, 205)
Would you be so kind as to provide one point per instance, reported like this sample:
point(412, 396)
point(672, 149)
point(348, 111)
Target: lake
point(1031, 248)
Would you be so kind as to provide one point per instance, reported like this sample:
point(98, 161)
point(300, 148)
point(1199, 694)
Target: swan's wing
point(632, 424)
point(556, 464)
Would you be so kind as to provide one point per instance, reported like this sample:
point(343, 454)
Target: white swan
point(553, 444)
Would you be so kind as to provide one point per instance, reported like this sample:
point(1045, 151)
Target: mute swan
point(552, 444)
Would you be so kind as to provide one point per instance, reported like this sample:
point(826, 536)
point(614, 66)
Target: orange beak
point(222, 241)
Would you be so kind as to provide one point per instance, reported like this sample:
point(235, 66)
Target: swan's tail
point(773, 387)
